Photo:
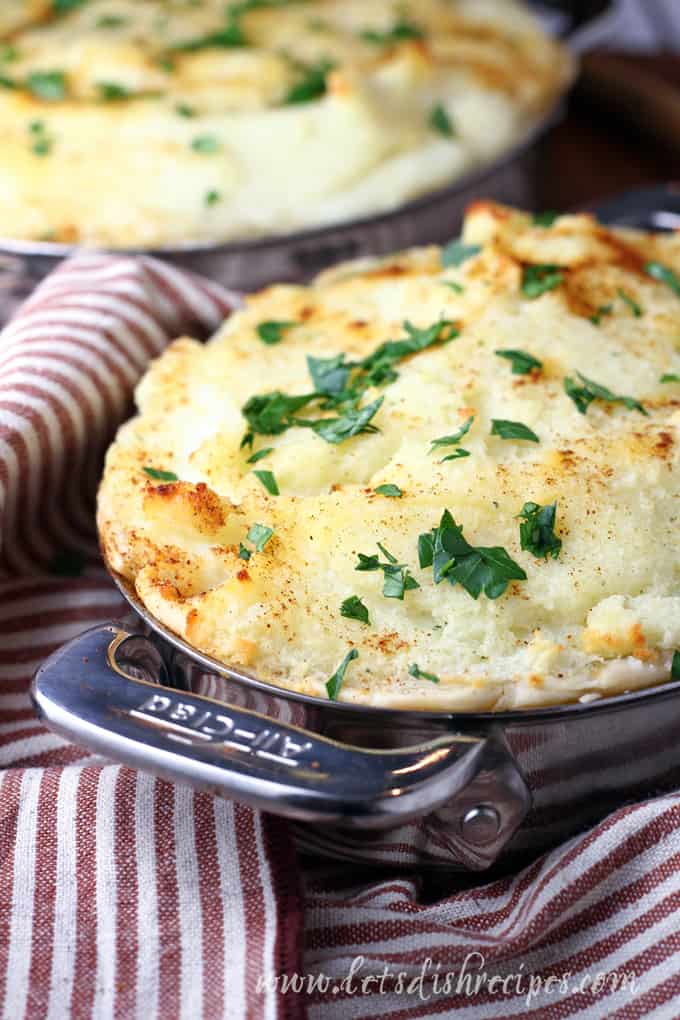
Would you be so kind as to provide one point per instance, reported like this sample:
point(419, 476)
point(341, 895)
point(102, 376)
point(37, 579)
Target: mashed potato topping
point(169, 122)
point(533, 392)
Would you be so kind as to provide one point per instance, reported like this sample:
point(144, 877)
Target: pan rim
point(546, 714)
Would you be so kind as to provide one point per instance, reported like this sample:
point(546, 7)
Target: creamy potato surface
point(526, 379)
point(129, 124)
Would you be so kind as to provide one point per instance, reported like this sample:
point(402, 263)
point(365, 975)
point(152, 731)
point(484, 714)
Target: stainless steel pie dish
point(407, 788)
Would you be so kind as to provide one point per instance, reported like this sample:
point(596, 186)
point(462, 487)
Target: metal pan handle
point(96, 691)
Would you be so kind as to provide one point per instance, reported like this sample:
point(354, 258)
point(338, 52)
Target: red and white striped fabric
point(122, 896)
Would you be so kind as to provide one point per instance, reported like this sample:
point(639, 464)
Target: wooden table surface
point(594, 153)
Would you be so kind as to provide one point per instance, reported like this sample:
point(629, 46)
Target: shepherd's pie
point(452, 473)
point(167, 122)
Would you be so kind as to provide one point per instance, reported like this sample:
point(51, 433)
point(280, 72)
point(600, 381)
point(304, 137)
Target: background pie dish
point(161, 124)
point(579, 411)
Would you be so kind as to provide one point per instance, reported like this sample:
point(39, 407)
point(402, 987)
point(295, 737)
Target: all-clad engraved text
point(187, 724)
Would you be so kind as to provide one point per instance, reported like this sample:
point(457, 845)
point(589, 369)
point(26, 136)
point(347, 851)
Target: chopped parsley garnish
point(400, 31)
point(545, 219)
point(354, 609)
point(478, 570)
point(669, 377)
point(184, 110)
point(229, 37)
point(8, 53)
point(207, 145)
point(110, 91)
point(389, 490)
point(440, 120)
point(456, 253)
point(537, 530)
point(598, 316)
point(522, 362)
point(272, 332)
point(588, 391)
point(397, 578)
point(633, 305)
point(675, 666)
point(272, 413)
point(161, 476)
point(664, 274)
point(420, 674)
point(457, 288)
point(329, 375)
point(63, 6)
point(335, 682)
point(269, 482)
point(453, 440)
point(347, 425)
point(110, 21)
point(41, 143)
point(259, 455)
point(243, 553)
point(539, 279)
point(48, 85)
point(340, 386)
point(378, 368)
point(259, 535)
point(212, 198)
point(512, 430)
point(312, 84)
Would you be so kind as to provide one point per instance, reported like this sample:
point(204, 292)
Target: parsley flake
point(453, 440)
point(456, 253)
point(354, 609)
point(160, 476)
point(588, 391)
point(603, 310)
point(537, 530)
point(477, 570)
point(669, 377)
point(212, 198)
point(512, 430)
point(420, 674)
point(664, 274)
point(184, 110)
point(259, 455)
point(110, 21)
point(268, 481)
point(48, 85)
point(440, 121)
point(312, 84)
point(545, 219)
point(400, 31)
point(522, 362)
point(243, 553)
point(259, 535)
point(272, 332)
point(539, 279)
point(389, 490)
point(675, 666)
point(397, 578)
point(206, 145)
point(111, 91)
point(633, 305)
point(229, 37)
point(335, 682)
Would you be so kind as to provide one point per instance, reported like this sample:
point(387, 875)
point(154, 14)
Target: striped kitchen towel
point(122, 896)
